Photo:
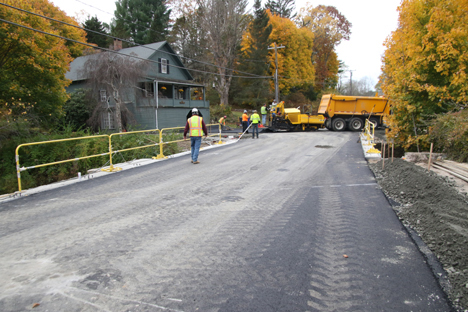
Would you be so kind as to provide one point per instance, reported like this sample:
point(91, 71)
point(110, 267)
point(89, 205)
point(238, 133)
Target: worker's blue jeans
point(195, 147)
point(264, 119)
point(254, 129)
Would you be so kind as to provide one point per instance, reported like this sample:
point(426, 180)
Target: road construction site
point(293, 221)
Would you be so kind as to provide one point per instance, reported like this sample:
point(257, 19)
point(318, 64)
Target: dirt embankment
point(432, 206)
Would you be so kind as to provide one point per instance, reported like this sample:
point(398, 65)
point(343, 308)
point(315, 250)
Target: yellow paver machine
point(291, 119)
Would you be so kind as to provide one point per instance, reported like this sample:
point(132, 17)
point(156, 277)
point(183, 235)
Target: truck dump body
point(351, 111)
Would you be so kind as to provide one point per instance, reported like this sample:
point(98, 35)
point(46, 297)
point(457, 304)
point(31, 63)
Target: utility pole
point(351, 82)
point(276, 70)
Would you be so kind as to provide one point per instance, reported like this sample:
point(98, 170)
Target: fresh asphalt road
point(260, 225)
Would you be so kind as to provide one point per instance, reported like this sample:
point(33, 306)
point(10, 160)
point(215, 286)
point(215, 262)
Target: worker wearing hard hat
point(255, 119)
point(245, 121)
point(197, 128)
point(263, 111)
point(222, 122)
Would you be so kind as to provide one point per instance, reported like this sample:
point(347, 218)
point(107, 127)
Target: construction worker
point(263, 111)
point(197, 128)
point(222, 122)
point(245, 121)
point(255, 121)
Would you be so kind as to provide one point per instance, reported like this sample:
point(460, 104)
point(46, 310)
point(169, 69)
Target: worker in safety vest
point(263, 111)
point(245, 121)
point(255, 119)
point(197, 128)
point(222, 122)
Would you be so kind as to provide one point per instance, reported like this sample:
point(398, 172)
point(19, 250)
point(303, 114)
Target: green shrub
point(449, 133)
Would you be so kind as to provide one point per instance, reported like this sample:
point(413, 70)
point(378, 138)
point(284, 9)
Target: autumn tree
point(424, 72)
point(33, 64)
point(224, 23)
point(115, 74)
point(141, 21)
point(94, 24)
point(295, 67)
point(255, 59)
point(283, 8)
point(329, 27)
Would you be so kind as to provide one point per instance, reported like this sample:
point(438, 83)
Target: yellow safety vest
point(263, 110)
point(195, 123)
point(255, 118)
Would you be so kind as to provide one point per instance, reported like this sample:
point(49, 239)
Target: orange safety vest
point(245, 117)
point(195, 123)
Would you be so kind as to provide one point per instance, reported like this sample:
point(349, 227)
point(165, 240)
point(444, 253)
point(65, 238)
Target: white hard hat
point(194, 110)
point(245, 111)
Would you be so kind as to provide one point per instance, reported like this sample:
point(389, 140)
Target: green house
point(160, 99)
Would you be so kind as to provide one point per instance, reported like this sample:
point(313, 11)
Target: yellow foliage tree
point(295, 67)
point(424, 71)
point(33, 64)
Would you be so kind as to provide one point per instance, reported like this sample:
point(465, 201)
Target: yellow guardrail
point(111, 168)
point(161, 143)
point(367, 130)
point(369, 134)
point(18, 169)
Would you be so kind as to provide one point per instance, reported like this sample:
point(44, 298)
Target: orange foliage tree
point(33, 64)
point(295, 68)
point(424, 71)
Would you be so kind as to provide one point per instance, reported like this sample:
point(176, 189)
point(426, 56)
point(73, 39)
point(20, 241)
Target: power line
point(113, 51)
point(133, 43)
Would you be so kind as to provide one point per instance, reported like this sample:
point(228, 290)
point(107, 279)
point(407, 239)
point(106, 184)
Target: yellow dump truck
point(291, 119)
point(350, 112)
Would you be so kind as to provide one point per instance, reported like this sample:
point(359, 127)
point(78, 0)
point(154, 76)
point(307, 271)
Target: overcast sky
point(372, 20)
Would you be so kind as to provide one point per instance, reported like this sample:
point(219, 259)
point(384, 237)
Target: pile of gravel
point(431, 206)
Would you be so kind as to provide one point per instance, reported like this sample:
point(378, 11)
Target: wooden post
point(393, 145)
point(430, 158)
point(383, 156)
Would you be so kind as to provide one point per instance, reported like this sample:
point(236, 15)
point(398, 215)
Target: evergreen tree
point(255, 91)
point(144, 21)
point(283, 8)
point(93, 23)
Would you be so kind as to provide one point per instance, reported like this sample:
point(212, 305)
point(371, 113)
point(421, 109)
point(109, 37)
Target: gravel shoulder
point(434, 208)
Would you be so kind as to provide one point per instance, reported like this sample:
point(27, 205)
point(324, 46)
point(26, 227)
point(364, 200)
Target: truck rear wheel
point(375, 121)
point(356, 124)
point(338, 124)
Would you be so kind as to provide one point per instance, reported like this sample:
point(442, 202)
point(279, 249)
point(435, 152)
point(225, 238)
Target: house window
point(163, 65)
point(180, 92)
point(107, 120)
point(102, 96)
point(196, 93)
point(147, 89)
point(165, 91)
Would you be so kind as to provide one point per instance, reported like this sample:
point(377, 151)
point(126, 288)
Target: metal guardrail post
point(111, 166)
point(220, 130)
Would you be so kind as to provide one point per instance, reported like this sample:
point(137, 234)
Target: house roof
point(144, 51)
